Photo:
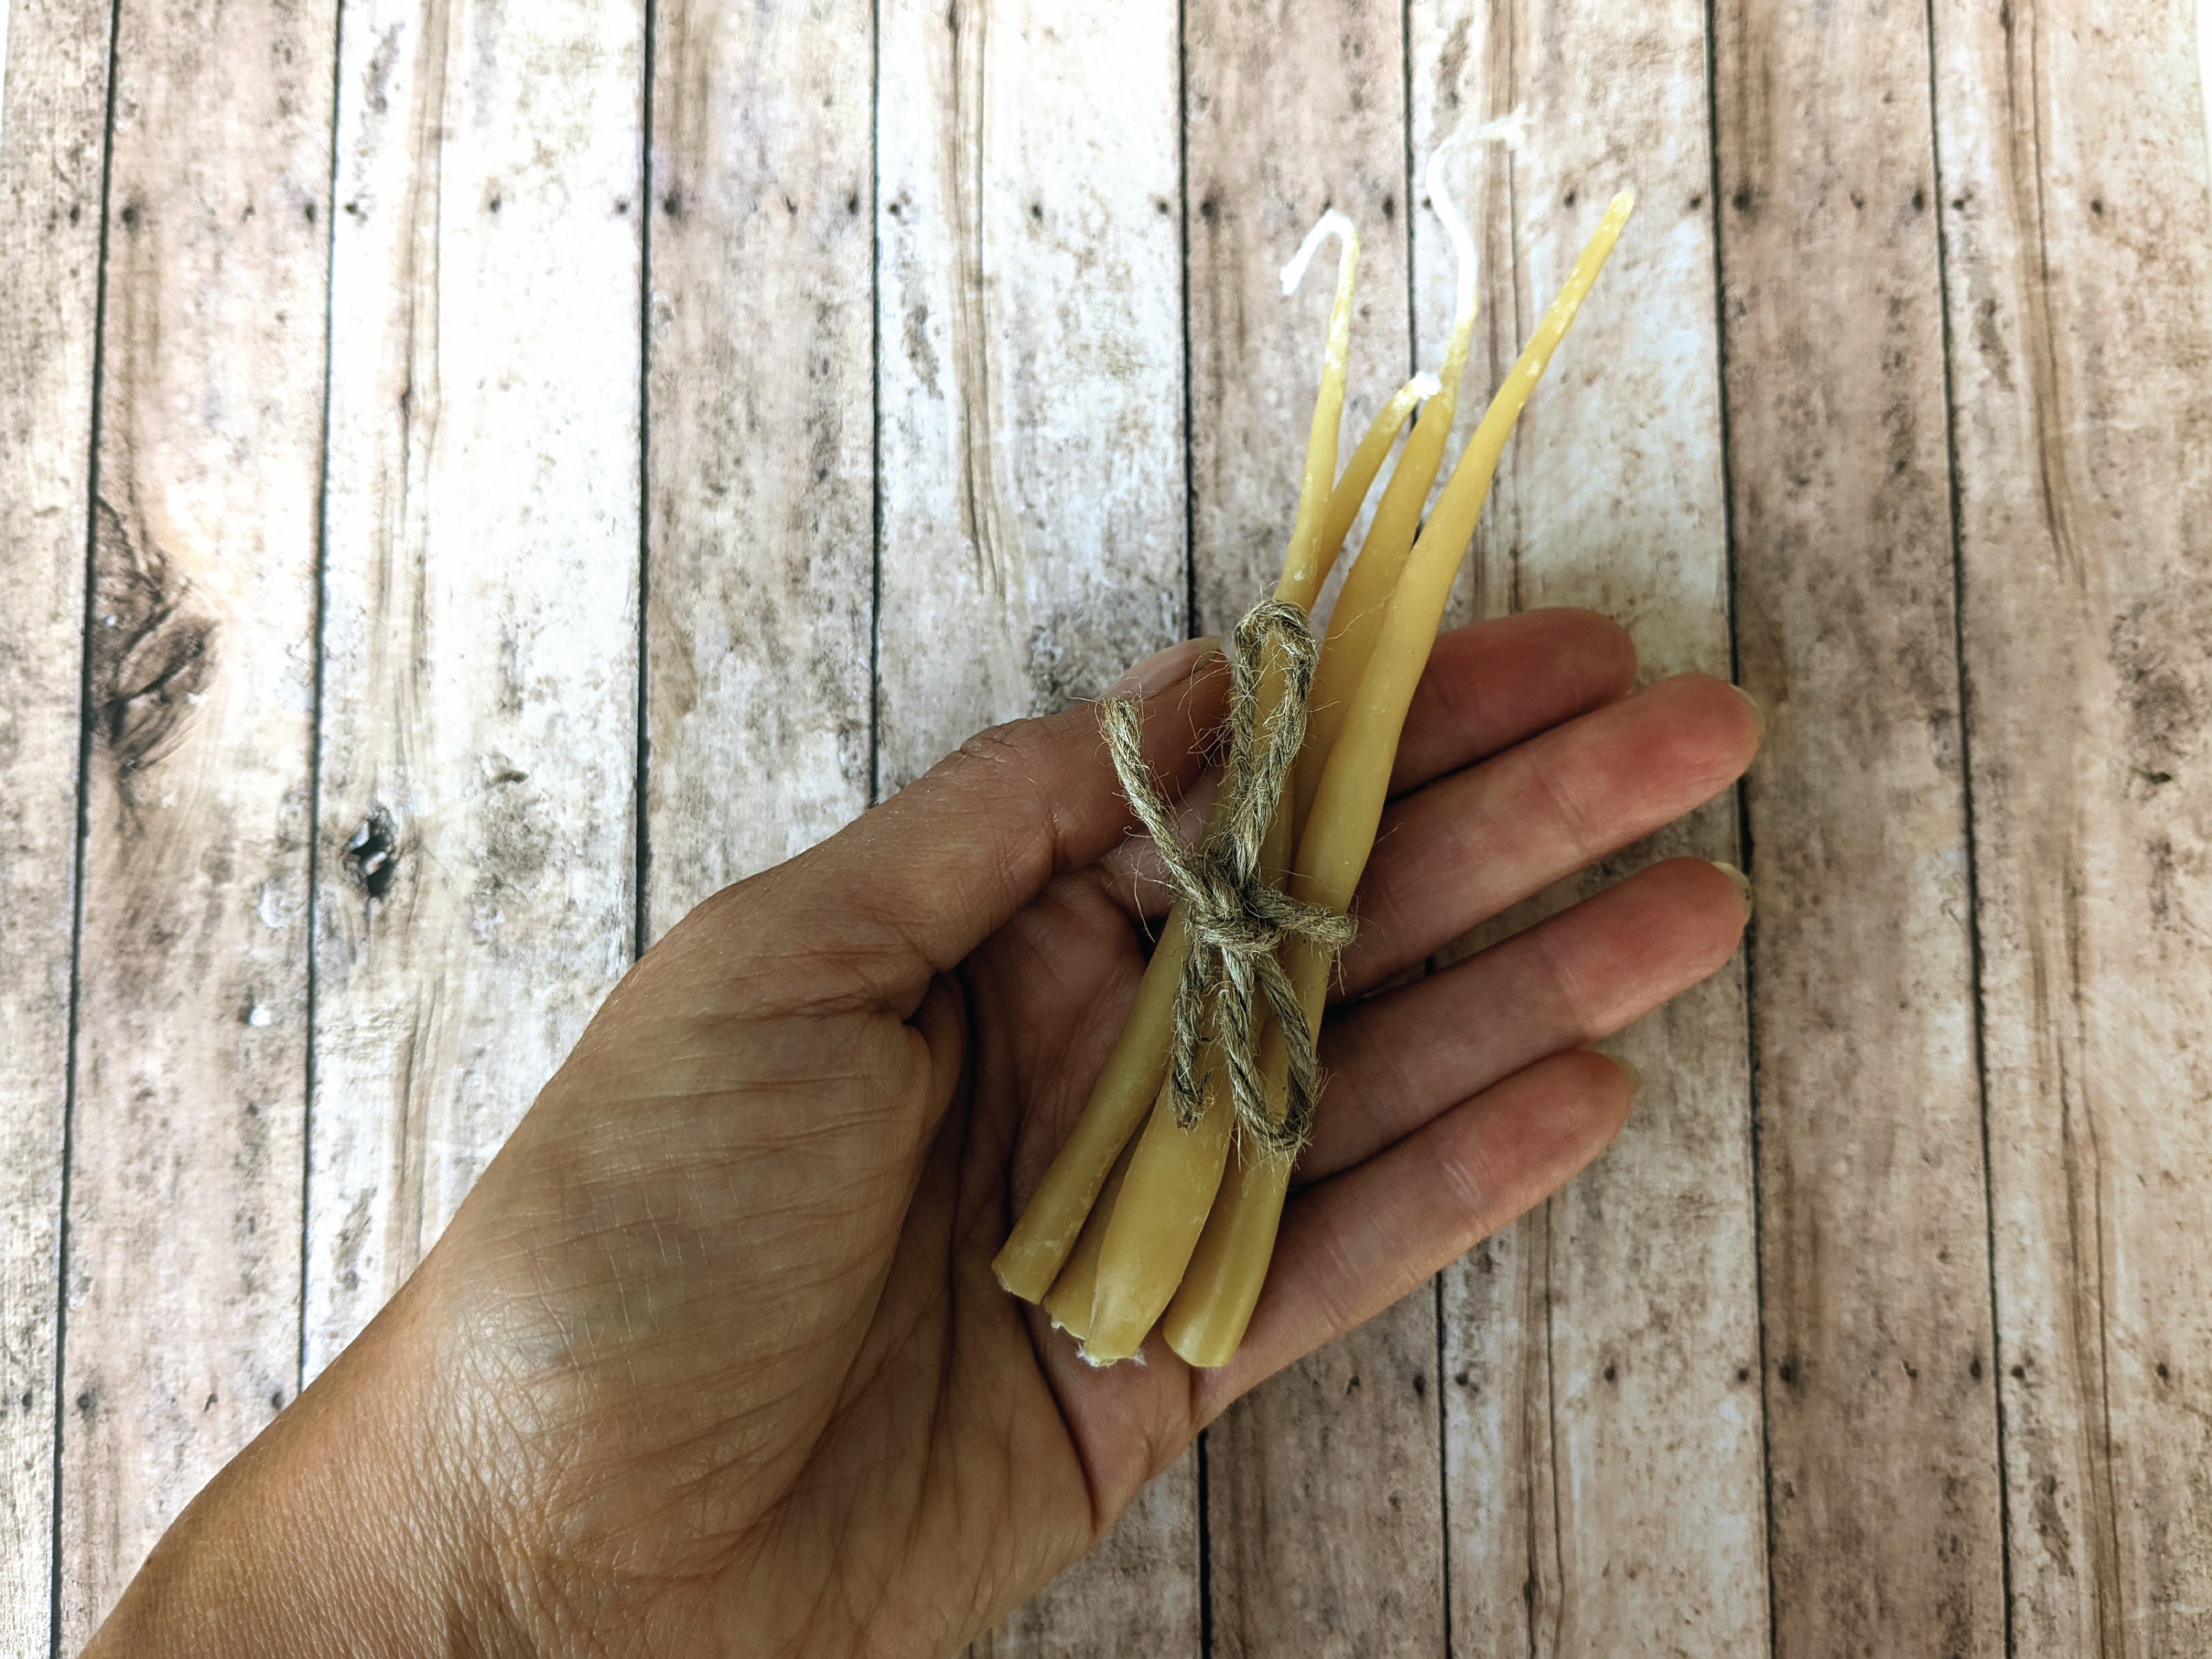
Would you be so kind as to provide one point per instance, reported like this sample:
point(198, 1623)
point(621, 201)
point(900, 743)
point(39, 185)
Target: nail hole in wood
point(372, 853)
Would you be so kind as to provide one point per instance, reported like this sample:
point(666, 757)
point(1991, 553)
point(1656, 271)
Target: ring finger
point(1395, 1062)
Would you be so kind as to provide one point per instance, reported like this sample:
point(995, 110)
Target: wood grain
point(1879, 1385)
point(1031, 369)
point(1325, 1503)
point(476, 898)
point(1988, 740)
point(761, 398)
point(53, 96)
point(1601, 1358)
point(2079, 243)
point(184, 1211)
point(1031, 478)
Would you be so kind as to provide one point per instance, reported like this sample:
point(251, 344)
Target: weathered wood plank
point(184, 1243)
point(2079, 238)
point(1879, 1393)
point(762, 455)
point(1602, 1357)
point(1326, 1500)
point(53, 96)
point(1031, 475)
point(1031, 375)
point(476, 895)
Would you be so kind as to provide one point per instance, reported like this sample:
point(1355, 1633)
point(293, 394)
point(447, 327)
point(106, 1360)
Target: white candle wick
point(1331, 223)
point(1509, 130)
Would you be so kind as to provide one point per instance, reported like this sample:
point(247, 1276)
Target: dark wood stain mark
point(997, 546)
point(2023, 122)
point(919, 351)
point(2084, 1312)
point(152, 649)
point(1548, 1520)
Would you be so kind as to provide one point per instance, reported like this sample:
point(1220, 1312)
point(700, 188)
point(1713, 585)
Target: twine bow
point(1237, 920)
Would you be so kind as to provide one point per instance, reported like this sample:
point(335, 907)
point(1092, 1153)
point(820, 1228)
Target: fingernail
point(1742, 884)
point(1635, 1078)
point(1758, 713)
point(1163, 668)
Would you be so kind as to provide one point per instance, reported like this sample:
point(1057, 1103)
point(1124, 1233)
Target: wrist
point(351, 1526)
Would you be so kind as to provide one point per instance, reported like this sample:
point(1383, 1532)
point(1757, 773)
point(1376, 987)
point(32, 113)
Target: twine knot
point(1237, 918)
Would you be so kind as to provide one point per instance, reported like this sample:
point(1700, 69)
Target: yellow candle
point(1303, 570)
point(1208, 1318)
point(1205, 1321)
point(1038, 1246)
point(1355, 781)
point(1069, 1299)
point(1359, 477)
point(1165, 1203)
point(1162, 1210)
point(1147, 1253)
point(1365, 595)
point(1034, 1252)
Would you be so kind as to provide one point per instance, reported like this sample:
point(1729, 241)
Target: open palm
point(713, 1358)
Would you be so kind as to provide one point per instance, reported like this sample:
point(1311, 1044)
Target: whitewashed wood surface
point(475, 478)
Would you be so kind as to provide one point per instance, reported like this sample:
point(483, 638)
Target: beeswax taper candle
point(1038, 1247)
point(1207, 1320)
point(1364, 599)
point(1164, 1201)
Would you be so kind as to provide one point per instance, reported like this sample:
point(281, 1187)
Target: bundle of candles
point(1162, 1206)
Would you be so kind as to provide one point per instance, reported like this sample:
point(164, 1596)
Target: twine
point(1237, 920)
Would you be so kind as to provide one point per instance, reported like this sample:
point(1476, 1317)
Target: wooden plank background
point(474, 479)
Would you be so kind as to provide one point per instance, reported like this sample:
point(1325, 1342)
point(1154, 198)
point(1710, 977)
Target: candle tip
point(1424, 385)
point(1331, 223)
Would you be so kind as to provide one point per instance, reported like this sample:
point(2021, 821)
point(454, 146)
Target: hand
point(712, 1359)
